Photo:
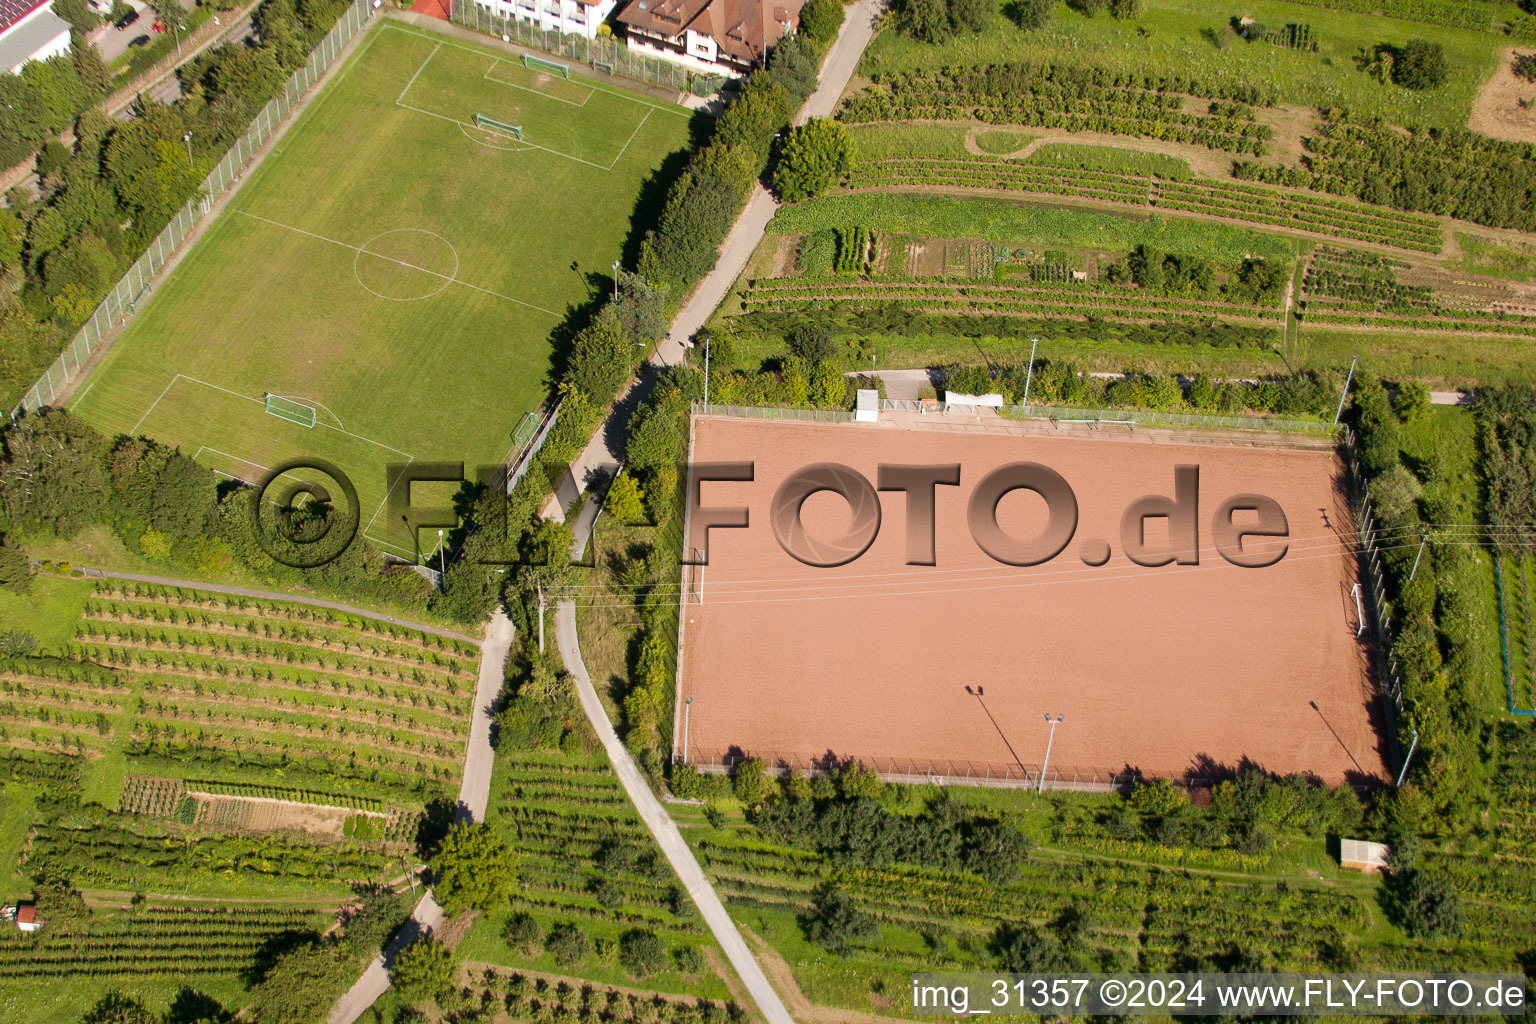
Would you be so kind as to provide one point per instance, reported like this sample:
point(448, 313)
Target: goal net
point(540, 64)
point(525, 431)
point(288, 409)
point(514, 130)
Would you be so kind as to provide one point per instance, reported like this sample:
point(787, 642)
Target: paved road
point(604, 454)
point(272, 595)
point(664, 829)
point(474, 794)
point(475, 789)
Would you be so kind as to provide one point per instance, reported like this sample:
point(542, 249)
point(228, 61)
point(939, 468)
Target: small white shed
point(1360, 855)
point(866, 406)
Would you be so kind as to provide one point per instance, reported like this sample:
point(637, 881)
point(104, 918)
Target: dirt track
point(1154, 667)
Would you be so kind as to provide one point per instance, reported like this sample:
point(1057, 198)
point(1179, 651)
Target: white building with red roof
point(572, 17)
point(29, 30)
point(720, 36)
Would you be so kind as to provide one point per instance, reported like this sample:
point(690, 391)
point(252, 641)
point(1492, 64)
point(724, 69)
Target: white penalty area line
point(524, 141)
point(378, 444)
point(513, 85)
point(595, 86)
point(390, 259)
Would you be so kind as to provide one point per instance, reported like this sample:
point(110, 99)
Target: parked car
point(138, 41)
point(127, 19)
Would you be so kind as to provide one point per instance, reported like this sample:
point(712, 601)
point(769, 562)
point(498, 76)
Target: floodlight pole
point(442, 570)
point(1029, 376)
point(1054, 722)
point(687, 707)
point(1411, 748)
point(1345, 393)
point(615, 280)
point(707, 339)
point(187, 138)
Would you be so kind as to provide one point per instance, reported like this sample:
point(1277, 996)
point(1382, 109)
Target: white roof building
point(29, 30)
point(571, 17)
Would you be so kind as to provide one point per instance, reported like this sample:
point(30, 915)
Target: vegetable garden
point(181, 942)
point(1070, 97)
point(1346, 287)
point(1228, 200)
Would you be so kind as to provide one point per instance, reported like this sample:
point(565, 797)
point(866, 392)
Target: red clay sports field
point(1169, 670)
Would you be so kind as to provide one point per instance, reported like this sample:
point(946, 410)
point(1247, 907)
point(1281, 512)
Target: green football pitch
point(391, 267)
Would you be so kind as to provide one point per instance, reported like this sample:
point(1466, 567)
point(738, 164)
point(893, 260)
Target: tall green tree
point(422, 971)
point(816, 156)
point(820, 20)
point(473, 869)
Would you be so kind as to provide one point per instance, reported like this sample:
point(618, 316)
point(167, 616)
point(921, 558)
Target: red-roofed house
point(29, 30)
point(722, 36)
point(27, 919)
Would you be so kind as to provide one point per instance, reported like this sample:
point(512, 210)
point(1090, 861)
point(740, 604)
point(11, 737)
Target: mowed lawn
point(393, 266)
point(1175, 37)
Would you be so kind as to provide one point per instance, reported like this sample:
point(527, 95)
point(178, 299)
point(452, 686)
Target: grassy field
point(1030, 224)
point(392, 266)
point(1169, 38)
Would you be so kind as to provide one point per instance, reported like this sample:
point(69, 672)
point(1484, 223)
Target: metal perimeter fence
point(1372, 583)
point(947, 772)
point(773, 412)
point(122, 302)
point(1509, 677)
point(608, 54)
point(1151, 418)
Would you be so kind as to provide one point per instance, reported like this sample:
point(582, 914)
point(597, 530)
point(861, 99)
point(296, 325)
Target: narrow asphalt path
point(664, 828)
point(605, 452)
point(474, 794)
point(272, 595)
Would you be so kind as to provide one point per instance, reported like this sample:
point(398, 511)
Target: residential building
point(29, 30)
point(728, 37)
point(27, 919)
point(571, 17)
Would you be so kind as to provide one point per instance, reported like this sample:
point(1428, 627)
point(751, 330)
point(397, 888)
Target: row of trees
point(59, 476)
point(1449, 171)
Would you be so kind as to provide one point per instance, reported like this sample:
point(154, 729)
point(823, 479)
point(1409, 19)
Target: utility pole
point(1423, 540)
point(707, 339)
point(187, 138)
point(1029, 376)
point(1345, 394)
point(1053, 722)
point(541, 618)
point(615, 280)
point(442, 569)
point(1411, 748)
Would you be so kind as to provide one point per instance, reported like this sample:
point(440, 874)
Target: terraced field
point(1229, 200)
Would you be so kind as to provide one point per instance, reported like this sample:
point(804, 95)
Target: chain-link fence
point(773, 412)
point(123, 301)
point(606, 54)
point(1150, 418)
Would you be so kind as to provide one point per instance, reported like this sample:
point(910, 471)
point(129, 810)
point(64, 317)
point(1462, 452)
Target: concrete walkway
point(272, 595)
point(474, 794)
point(663, 828)
point(605, 452)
